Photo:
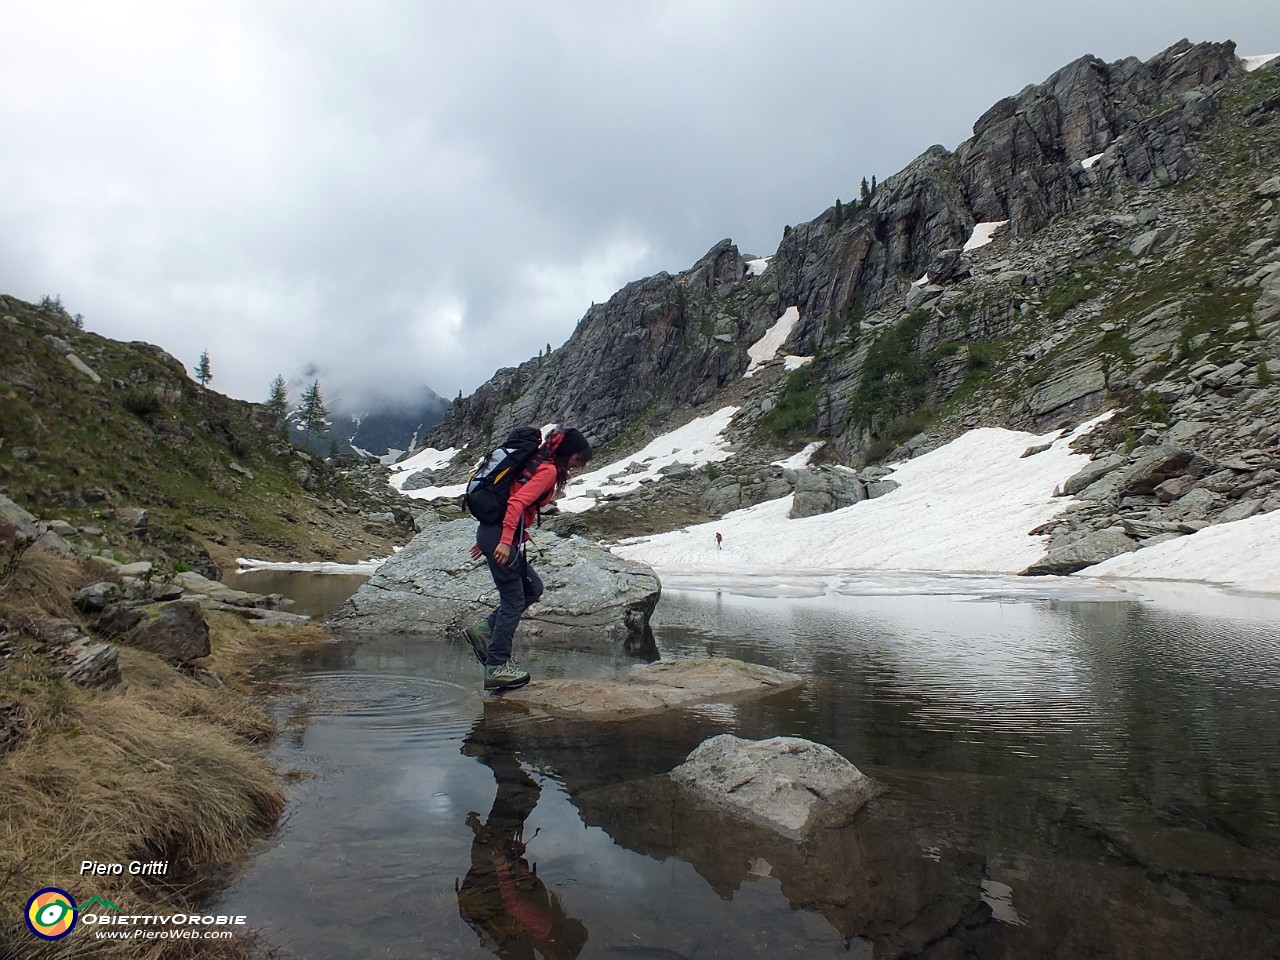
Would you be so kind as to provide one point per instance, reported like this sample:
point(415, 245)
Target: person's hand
point(502, 553)
point(476, 552)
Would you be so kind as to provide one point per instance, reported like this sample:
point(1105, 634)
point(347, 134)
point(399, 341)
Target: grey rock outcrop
point(823, 489)
point(658, 344)
point(175, 631)
point(1085, 552)
point(736, 491)
point(80, 658)
point(1091, 474)
point(12, 515)
point(786, 784)
point(593, 599)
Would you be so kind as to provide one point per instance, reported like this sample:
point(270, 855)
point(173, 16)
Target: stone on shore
point(655, 687)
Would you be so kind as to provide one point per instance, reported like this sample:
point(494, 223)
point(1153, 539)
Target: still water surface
point(1071, 773)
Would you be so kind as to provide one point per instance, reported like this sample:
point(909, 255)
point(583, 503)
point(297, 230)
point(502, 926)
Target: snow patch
point(795, 363)
point(1088, 162)
point(801, 459)
point(921, 282)
point(428, 459)
point(696, 444)
point(756, 267)
point(982, 234)
point(1258, 62)
point(1244, 554)
point(767, 347)
point(964, 507)
point(366, 566)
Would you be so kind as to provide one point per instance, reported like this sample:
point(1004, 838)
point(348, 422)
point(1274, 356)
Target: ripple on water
point(414, 707)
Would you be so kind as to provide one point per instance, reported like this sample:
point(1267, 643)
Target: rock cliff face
point(651, 346)
point(1131, 218)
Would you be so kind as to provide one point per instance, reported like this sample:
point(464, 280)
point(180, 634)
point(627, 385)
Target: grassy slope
point(150, 437)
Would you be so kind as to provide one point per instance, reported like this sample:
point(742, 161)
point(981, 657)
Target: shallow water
point(312, 594)
point(1071, 771)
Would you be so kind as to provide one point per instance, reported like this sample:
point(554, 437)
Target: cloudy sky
point(396, 193)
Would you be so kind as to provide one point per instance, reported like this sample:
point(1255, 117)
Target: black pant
point(518, 588)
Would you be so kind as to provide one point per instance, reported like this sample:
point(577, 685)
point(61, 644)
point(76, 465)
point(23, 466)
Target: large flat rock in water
point(433, 588)
point(654, 687)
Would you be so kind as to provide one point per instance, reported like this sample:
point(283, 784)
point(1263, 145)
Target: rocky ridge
point(1136, 268)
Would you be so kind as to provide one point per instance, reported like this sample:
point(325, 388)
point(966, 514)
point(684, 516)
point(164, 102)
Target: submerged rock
point(651, 688)
point(593, 599)
point(785, 784)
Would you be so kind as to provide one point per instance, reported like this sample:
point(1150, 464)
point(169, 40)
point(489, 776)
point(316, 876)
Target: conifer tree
point(278, 401)
point(313, 411)
point(839, 214)
point(864, 193)
point(204, 373)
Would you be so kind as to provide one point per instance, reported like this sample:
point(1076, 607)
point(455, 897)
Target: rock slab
point(785, 784)
point(655, 687)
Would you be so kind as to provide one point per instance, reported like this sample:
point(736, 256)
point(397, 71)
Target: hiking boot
point(478, 636)
point(504, 677)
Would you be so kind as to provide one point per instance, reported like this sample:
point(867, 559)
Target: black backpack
point(490, 485)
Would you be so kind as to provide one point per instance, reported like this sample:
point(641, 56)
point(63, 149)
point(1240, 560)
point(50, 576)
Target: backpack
point(490, 485)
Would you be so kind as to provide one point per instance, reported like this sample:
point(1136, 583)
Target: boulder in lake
point(786, 784)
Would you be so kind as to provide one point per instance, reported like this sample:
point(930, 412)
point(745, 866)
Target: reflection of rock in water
point(502, 898)
point(870, 879)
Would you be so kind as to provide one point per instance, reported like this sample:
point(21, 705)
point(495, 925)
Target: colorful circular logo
point(51, 913)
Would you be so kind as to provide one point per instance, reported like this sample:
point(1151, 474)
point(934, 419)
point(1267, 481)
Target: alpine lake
point(1072, 769)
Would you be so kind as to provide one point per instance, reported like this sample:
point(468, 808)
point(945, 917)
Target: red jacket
point(526, 498)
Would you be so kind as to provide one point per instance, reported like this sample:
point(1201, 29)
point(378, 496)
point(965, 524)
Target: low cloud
point(397, 194)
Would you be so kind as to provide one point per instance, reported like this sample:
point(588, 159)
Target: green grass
point(146, 434)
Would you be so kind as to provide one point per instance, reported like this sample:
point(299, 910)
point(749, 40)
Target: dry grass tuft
point(41, 582)
point(162, 769)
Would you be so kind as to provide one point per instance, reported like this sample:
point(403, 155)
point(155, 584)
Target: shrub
point(894, 379)
point(142, 403)
point(796, 411)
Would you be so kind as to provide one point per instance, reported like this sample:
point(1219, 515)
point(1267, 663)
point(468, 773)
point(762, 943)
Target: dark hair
point(561, 446)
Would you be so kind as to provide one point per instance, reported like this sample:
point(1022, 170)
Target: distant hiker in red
point(718, 539)
point(544, 477)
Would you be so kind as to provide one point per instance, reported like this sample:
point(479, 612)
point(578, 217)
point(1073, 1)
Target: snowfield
point(965, 508)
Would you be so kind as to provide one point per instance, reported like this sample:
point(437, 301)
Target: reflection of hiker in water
point(502, 897)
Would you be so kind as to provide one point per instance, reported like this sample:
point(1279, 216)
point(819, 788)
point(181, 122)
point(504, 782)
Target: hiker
point(502, 545)
point(718, 539)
